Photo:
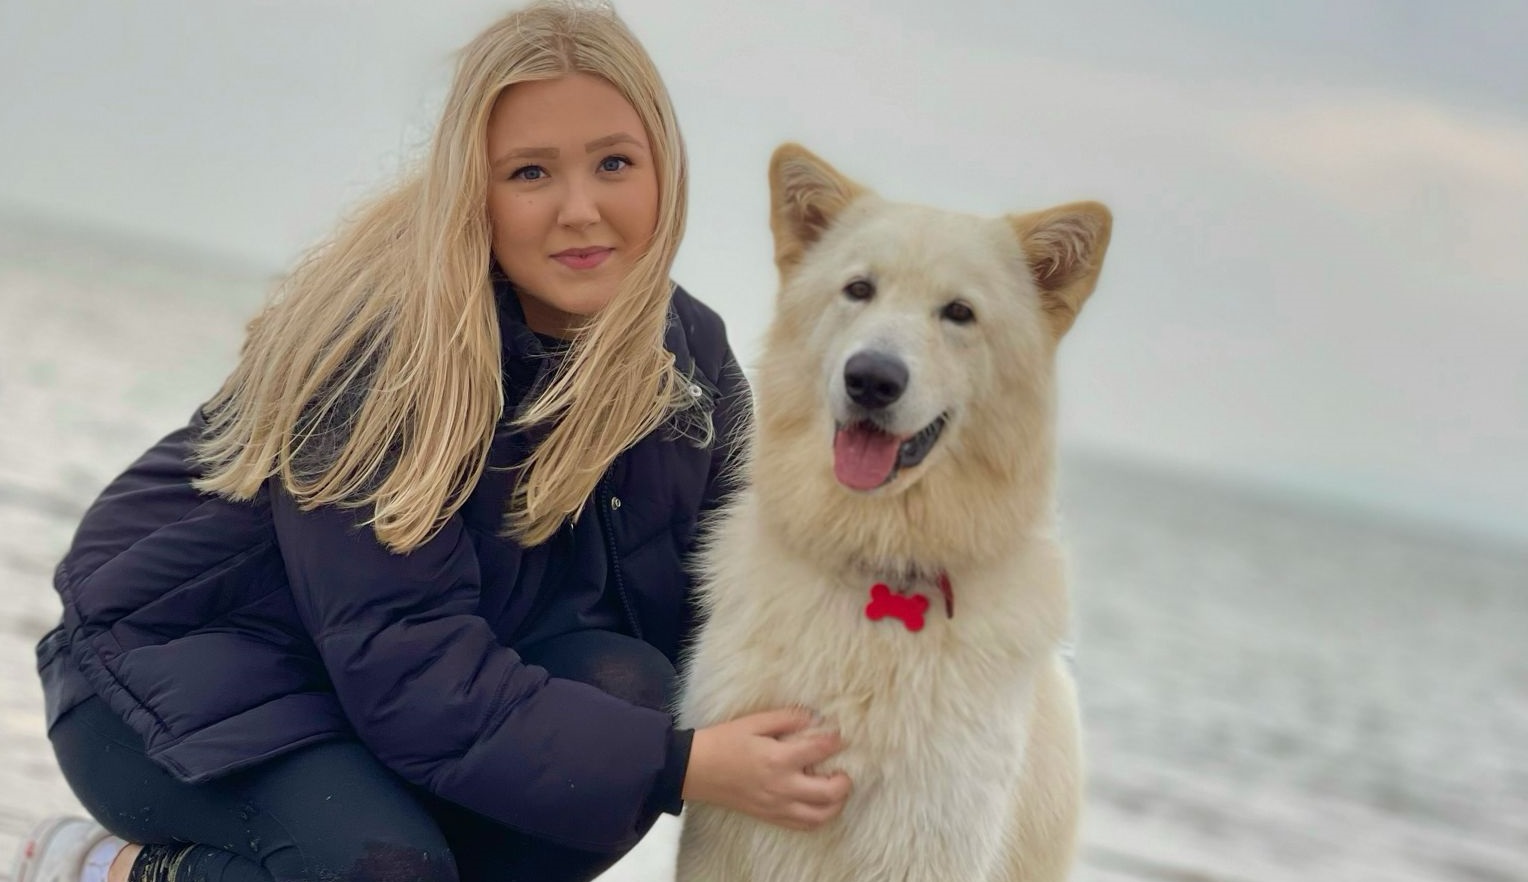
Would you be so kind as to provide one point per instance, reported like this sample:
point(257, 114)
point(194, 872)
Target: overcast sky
point(1319, 276)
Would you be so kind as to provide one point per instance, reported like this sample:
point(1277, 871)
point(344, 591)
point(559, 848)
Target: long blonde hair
point(372, 378)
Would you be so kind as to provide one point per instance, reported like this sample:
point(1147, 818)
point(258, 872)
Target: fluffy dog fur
point(961, 738)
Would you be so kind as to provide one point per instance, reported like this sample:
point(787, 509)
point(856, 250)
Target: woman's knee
point(628, 668)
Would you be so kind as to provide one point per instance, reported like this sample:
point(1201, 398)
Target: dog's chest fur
point(934, 722)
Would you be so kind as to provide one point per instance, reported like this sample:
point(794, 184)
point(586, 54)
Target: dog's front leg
point(1043, 846)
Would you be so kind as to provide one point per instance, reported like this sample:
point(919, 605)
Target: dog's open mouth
point(866, 457)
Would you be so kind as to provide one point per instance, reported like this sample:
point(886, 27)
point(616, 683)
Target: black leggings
point(332, 811)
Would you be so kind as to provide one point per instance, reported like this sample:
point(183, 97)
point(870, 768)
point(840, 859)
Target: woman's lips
point(582, 258)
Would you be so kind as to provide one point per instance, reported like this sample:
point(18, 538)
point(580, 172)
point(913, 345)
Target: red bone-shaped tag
point(907, 607)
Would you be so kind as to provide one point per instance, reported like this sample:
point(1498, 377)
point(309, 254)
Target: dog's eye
point(859, 289)
point(959, 312)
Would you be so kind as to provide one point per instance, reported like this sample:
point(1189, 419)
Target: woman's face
point(572, 195)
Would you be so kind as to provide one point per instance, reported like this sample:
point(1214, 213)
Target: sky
point(1317, 282)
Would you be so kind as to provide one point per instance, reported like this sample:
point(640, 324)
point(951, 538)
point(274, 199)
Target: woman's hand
point(753, 765)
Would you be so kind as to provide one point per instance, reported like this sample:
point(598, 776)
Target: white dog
point(890, 561)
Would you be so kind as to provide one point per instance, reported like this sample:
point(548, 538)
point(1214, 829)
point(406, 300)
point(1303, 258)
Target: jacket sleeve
point(437, 699)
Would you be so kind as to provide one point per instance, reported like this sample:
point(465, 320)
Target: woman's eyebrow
point(526, 153)
point(608, 140)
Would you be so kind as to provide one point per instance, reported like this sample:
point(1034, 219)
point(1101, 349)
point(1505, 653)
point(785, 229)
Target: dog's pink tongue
point(863, 456)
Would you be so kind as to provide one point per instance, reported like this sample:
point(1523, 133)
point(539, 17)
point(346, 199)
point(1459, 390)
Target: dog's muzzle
point(867, 453)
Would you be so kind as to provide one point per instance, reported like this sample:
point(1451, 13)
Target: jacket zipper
point(613, 564)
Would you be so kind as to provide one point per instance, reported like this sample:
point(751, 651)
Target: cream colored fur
point(961, 738)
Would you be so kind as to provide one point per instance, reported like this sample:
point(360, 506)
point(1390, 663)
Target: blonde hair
point(372, 378)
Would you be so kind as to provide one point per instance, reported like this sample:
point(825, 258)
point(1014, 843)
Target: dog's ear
point(805, 195)
point(1065, 247)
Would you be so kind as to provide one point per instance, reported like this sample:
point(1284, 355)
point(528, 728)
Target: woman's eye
point(614, 163)
point(859, 289)
point(959, 312)
point(529, 173)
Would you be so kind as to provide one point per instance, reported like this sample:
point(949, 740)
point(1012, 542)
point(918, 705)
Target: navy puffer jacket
point(228, 633)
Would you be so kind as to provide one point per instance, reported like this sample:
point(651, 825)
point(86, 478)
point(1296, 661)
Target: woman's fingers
point(809, 749)
point(760, 764)
point(819, 790)
point(778, 723)
point(804, 816)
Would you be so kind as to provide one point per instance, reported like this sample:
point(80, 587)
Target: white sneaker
point(55, 850)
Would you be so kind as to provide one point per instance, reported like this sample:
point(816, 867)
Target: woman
point(403, 600)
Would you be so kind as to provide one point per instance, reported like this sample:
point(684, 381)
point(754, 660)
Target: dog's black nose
point(875, 379)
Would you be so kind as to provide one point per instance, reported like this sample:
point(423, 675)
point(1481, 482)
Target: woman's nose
point(579, 208)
